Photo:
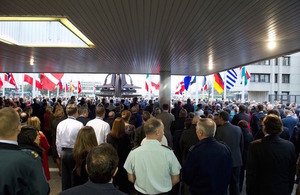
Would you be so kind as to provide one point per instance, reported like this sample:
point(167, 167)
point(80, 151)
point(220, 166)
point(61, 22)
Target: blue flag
point(187, 81)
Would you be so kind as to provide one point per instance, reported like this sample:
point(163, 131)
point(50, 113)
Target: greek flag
point(231, 78)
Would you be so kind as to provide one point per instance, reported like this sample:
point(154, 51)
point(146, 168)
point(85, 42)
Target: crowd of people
point(136, 146)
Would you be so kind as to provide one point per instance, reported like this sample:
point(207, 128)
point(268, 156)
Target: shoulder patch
point(191, 148)
point(31, 153)
point(135, 147)
point(166, 147)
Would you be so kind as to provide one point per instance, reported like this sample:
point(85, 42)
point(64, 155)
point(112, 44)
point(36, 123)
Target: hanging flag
point(50, 80)
point(66, 88)
point(147, 84)
point(194, 80)
point(60, 85)
point(180, 88)
point(1, 83)
point(10, 78)
point(156, 86)
point(79, 87)
point(187, 81)
point(38, 83)
point(218, 83)
point(71, 86)
point(245, 74)
point(231, 78)
point(28, 79)
point(204, 84)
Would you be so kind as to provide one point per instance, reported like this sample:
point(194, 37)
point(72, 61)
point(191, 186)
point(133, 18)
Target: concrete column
point(280, 63)
point(165, 88)
point(272, 80)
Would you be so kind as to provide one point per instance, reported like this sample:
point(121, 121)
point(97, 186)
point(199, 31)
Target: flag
point(50, 80)
point(79, 87)
point(245, 74)
point(66, 88)
point(60, 85)
point(10, 78)
point(71, 86)
point(204, 84)
point(156, 86)
point(28, 79)
point(218, 83)
point(180, 88)
point(187, 81)
point(38, 83)
point(194, 80)
point(147, 84)
point(231, 78)
point(1, 83)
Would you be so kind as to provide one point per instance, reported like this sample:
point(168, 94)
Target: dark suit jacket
point(208, 167)
point(233, 137)
point(240, 116)
point(271, 166)
point(93, 189)
point(290, 122)
point(188, 139)
point(84, 120)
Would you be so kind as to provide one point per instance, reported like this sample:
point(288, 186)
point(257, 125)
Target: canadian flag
point(79, 87)
point(1, 83)
point(50, 80)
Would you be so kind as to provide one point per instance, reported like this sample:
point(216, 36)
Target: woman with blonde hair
point(120, 140)
point(85, 141)
point(129, 128)
point(35, 122)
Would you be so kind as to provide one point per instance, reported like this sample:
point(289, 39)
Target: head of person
point(49, 109)
point(29, 136)
point(182, 113)
point(274, 111)
point(195, 120)
point(188, 123)
point(100, 111)
point(72, 110)
point(102, 163)
point(154, 129)
point(242, 124)
point(242, 108)
point(59, 112)
point(9, 129)
point(112, 114)
point(146, 116)
point(157, 111)
point(83, 111)
point(272, 125)
point(205, 128)
point(223, 117)
point(260, 107)
point(118, 128)
point(126, 115)
point(23, 117)
point(165, 107)
point(35, 122)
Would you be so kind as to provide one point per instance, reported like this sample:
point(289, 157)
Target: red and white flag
point(180, 88)
point(10, 78)
point(79, 87)
point(29, 79)
point(50, 80)
point(1, 83)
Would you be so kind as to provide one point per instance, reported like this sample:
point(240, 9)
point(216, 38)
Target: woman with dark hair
point(121, 142)
point(129, 128)
point(85, 141)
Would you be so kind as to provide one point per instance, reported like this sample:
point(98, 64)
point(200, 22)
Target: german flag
point(218, 83)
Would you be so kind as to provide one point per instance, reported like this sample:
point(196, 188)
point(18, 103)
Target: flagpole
point(3, 80)
point(33, 85)
point(225, 84)
point(66, 90)
point(243, 90)
point(197, 90)
point(57, 91)
point(48, 94)
point(77, 90)
point(22, 85)
point(213, 88)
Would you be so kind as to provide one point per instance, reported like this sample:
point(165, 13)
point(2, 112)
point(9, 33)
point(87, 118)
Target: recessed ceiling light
point(42, 32)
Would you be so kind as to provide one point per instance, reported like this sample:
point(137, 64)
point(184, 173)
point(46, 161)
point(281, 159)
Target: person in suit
point(21, 172)
point(139, 134)
point(271, 163)
point(101, 166)
point(255, 123)
point(207, 169)
point(83, 113)
point(242, 115)
point(233, 137)
point(167, 119)
point(290, 121)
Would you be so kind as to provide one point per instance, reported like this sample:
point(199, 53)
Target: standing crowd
point(121, 146)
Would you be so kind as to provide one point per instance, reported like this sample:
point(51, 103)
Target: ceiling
point(149, 36)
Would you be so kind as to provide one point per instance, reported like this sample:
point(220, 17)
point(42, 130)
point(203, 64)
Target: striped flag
point(231, 78)
point(50, 80)
point(218, 83)
point(204, 84)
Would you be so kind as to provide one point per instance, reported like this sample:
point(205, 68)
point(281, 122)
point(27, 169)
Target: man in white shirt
point(66, 134)
point(101, 127)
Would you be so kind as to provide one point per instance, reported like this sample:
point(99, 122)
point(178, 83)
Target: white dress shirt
point(101, 128)
point(66, 133)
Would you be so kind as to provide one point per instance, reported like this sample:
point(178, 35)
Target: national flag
point(194, 80)
point(60, 85)
point(50, 80)
point(156, 86)
point(218, 83)
point(29, 80)
point(10, 78)
point(66, 88)
point(245, 74)
point(147, 84)
point(180, 88)
point(71, 86)
point(187, 81)
point(1, 83)
point(79, 87)
point(38, 83)
point(231, 78)
point(204, 84)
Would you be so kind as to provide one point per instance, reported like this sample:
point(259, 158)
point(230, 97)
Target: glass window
point(285, 78)
point(286, 61)
point(267, 62)
point(276, 78)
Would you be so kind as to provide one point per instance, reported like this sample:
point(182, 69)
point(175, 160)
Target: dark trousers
point(67, 166)
point(234, 187)
point(242, 176)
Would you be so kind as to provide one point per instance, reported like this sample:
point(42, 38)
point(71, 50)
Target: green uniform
point(21, 172)
point(153, 165)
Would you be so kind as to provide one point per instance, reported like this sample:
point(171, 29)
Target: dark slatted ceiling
point(148, 36)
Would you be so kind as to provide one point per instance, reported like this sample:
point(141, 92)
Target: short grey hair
point(151, 125)
point(208, 127)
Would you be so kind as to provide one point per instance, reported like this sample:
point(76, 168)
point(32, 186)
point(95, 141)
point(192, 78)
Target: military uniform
point(153, 165)
point(21, 172)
